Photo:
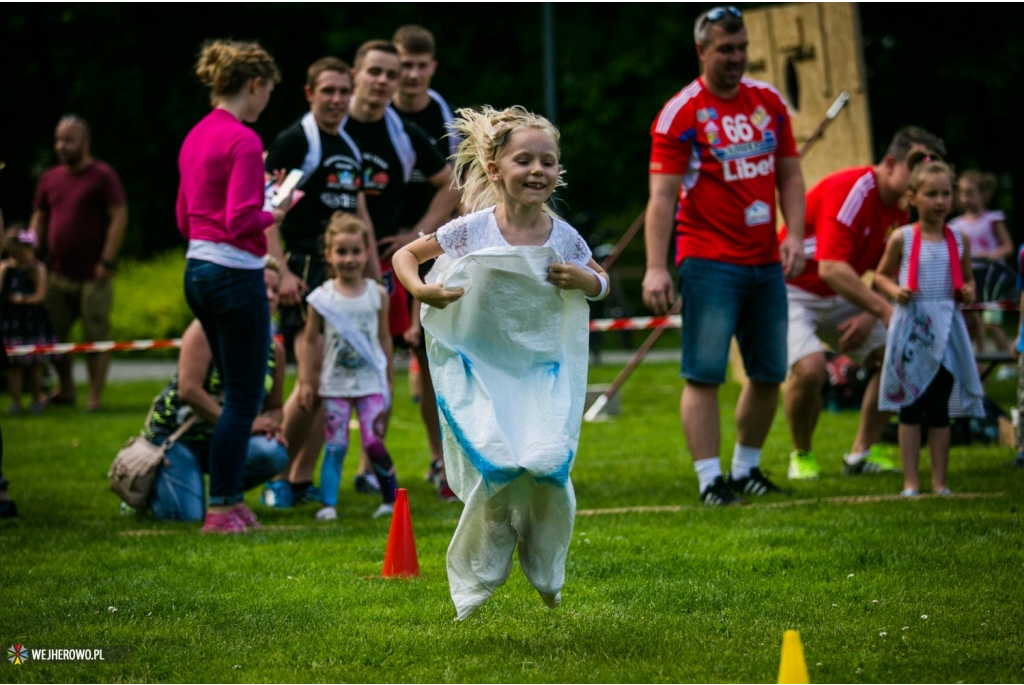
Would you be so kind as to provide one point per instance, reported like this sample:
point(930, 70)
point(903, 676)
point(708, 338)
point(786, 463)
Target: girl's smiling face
point(527, 167)
point(934, 198)
point(347, 256)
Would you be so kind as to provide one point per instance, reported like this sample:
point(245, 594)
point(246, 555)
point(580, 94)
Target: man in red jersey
point(849, 216)
point(720, 149)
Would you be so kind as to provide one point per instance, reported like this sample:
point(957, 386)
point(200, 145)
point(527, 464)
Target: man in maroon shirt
point(80, 213)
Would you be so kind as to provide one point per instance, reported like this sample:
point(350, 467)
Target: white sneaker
point(384, 510)
point(327, 514)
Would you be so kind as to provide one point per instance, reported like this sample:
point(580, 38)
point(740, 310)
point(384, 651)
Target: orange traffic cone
point(400, 558)
point(792, 667)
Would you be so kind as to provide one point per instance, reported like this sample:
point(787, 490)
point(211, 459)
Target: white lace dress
point(509, 366)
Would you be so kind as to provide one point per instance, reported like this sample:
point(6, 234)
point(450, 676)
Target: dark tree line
point(127, 69)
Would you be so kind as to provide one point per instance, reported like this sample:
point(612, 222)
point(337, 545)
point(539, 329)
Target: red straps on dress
point(954, 259)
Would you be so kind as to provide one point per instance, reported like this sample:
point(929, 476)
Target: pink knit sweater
point(220, 197)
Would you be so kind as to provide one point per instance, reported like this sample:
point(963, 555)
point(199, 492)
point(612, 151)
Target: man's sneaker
point(445, 493)
point(874, 463)
point(327, 514)
point(719, 494)
point(803, 465)
point(384, 510)
point(310, 493)
point(226, 523)
point(434, 472)
point(277, 494)
point(8, 510)
point(754, 484)
point(367, 484)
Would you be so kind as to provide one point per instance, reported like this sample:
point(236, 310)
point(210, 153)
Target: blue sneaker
point(277, 494)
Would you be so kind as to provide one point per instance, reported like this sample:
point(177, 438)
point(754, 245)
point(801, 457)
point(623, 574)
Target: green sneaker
point(874, 463)
point(803, 465)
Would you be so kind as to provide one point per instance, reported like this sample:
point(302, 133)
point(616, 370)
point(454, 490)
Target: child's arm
point(194, 362)
point(270, 421)
point(967, 291)
point(1005, 248)
point(888, 270)
point(384, 335)
point(309, 368)
point(3, 270)
point(39, 296)
point(569, 276)
point(406, 262)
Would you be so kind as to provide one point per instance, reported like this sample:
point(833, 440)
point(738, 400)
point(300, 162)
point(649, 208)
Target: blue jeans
point(721, 300)
point(231, 304)
point(178, 490)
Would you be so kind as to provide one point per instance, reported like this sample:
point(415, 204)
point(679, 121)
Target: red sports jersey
point(726, 151)
point(846, 221)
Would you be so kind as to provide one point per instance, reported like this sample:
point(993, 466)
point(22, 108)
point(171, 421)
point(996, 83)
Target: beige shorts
point(68, 301)
point(813, 322)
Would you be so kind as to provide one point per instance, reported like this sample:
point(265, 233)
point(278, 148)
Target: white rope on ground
point(666, 509)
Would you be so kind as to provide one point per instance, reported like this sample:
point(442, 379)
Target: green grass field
point(881, 590)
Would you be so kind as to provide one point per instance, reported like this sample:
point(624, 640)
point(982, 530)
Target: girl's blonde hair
point(227, 65)
point(984, 181)
point(484, 133)
point(928, 168)
point(272, 264)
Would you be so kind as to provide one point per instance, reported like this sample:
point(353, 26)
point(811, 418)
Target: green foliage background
point(127, 68)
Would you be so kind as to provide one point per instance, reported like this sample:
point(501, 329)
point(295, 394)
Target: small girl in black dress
point(23, 316)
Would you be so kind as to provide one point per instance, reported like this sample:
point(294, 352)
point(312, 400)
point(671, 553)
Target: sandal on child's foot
point(943, 492)
point(909, 492)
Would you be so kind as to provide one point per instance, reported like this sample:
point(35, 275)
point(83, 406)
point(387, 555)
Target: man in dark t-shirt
point(80, 213)
point(333, 167)
point(395, 152)
point(392, 148)
point(417, 102)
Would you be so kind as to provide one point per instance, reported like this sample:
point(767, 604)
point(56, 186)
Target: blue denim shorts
point(721, 300)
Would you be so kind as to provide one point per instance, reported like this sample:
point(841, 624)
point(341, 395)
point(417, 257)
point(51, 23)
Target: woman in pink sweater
point(220, 213)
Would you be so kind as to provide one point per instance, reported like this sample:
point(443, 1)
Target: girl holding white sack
point(506, 327)
point(928, 356)
point(354, 371)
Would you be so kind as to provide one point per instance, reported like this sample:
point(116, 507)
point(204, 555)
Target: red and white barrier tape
point(104, 346)
point(636, 323)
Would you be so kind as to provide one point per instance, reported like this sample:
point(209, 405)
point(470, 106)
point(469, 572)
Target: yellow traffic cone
point(792, 668)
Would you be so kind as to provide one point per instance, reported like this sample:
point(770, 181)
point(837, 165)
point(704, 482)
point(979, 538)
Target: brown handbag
point(135, 467)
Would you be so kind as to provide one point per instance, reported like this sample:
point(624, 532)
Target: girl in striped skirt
point(926, 269)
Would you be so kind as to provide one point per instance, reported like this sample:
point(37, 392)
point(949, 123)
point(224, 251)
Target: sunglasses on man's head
point(716, 13)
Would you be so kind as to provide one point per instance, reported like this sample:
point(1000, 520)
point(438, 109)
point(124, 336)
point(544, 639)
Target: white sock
point(856, 457)
point(744, 459)
point(707, 471)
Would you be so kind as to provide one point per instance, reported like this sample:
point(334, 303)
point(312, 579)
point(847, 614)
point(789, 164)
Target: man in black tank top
point(417, 102)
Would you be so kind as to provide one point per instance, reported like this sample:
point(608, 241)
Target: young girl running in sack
point(506, 330)
point(928, 355)
point(355, 371)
